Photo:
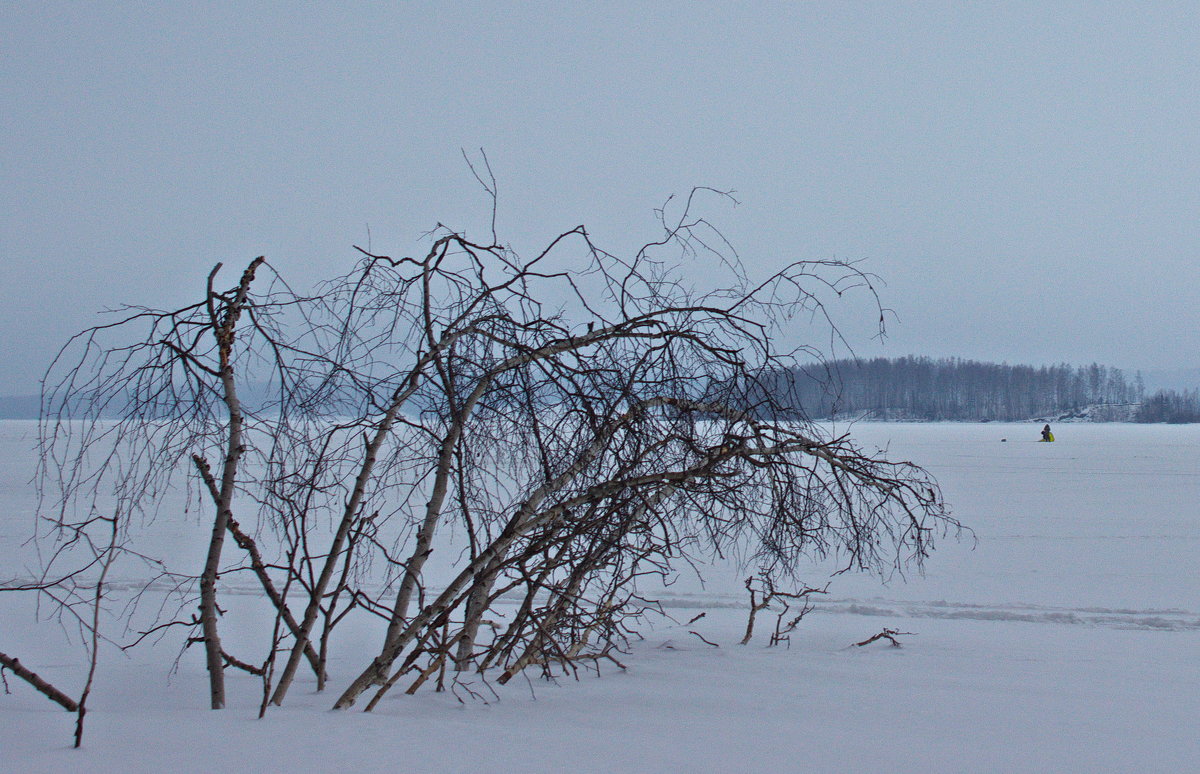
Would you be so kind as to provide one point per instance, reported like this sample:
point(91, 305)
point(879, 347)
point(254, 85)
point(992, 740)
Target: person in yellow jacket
point(1047, 436)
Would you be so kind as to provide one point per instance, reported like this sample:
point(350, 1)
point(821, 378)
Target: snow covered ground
point(1067, 638)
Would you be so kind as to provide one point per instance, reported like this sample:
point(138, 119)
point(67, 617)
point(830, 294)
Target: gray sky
point(1024, 176)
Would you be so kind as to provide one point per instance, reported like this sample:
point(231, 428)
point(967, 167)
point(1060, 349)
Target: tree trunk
point(223, 330)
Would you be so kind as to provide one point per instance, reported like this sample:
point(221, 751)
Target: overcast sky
point(1024, 176)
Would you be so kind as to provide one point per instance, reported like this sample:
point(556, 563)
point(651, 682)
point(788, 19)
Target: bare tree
point(78, 595)
point(570, 426)
point(763, 594)
point(121, 423)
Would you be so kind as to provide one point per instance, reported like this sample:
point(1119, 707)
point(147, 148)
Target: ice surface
point(1065, 639)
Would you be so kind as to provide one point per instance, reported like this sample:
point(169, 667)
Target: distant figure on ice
point(1047, 436)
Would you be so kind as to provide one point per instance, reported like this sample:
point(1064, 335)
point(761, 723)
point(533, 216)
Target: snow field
point(1064, 639)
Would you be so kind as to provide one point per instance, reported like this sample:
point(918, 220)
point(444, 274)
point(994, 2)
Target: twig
point(887, 634)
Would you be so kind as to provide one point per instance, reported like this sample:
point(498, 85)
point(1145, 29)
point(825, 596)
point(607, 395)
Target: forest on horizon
point(917, 388)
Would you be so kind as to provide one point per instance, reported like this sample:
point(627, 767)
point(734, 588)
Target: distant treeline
point(1170, 406)
point(922, 388)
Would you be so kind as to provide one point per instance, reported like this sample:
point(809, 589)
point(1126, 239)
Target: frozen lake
point(1106, 517)
point(1063, 637)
